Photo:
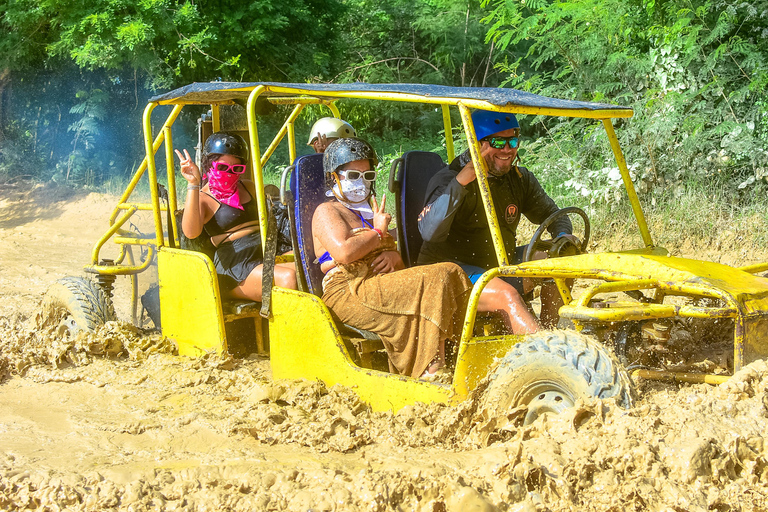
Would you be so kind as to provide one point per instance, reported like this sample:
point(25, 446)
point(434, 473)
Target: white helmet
point(331, 127)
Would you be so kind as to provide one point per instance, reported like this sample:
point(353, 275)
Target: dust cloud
point(115, 421)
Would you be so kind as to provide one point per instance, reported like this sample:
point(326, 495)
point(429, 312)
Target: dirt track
point(114, 422)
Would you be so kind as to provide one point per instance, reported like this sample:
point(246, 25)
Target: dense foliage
point(695, 73)
point(75, 76)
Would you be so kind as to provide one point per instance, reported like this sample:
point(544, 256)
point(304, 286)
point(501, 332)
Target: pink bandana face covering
point(223, 184)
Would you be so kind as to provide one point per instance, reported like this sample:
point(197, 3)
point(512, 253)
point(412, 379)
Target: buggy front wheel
point(79, 303)
point(550, 371)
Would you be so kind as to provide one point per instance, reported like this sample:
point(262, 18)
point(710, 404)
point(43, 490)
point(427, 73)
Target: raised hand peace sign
point(189, 169)
point(381, 219)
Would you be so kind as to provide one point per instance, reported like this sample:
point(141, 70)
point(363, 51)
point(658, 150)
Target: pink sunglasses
point(224, 167)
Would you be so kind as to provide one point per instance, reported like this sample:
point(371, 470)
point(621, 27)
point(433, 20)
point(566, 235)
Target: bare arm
point(333, 233)
point(192, 220)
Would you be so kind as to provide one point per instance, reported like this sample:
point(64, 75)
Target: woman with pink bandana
point(224, 205)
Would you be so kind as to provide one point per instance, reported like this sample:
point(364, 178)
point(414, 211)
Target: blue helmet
point(487, 122)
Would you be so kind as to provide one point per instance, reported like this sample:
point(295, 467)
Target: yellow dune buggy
point(547, 371)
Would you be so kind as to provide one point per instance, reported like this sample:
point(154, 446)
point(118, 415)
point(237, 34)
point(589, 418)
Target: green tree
point(693, 71)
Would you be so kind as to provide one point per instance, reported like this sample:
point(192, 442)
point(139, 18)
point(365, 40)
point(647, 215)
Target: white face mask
point(356, 193)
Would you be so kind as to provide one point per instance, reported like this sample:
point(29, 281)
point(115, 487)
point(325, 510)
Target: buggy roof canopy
point(491, 98)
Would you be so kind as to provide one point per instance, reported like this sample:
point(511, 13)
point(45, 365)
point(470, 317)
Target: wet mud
point(116, 421)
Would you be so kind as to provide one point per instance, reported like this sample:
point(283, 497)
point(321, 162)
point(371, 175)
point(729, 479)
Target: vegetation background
point(75, 76)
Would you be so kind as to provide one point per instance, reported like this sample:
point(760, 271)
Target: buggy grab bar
point(122, 270)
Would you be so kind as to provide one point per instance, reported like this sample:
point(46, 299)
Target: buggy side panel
point(305, 344)
point(190, 302)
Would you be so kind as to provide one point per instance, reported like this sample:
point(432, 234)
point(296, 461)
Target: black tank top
point(227, 217)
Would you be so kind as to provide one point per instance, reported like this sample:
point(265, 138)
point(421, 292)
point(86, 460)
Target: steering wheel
point(556, 245)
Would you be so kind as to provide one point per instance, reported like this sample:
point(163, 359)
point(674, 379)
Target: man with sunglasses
point(454, 226)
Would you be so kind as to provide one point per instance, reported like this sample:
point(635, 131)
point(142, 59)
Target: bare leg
point(439, 361)
point(551, 301)
point(250, 289)
point(500, 296)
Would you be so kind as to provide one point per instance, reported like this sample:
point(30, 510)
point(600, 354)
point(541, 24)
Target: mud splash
point(114, 421)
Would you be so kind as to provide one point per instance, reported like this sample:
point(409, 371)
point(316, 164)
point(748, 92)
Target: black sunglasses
point(500, 142)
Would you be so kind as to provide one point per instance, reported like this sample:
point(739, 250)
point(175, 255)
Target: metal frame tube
point(152, 169)
point(628, 185)
point(279, 137)
point(481, 172)
point(111, 231)
point(448, 127)
point(257, 171)
point(170, 164)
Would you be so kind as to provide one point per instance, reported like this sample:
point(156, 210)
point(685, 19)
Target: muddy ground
point(114, 421)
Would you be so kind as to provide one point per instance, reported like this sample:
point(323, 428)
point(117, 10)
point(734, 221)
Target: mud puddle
point(116, 421)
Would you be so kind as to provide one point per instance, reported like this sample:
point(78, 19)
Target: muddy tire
point(79, 302)
point(550, 371)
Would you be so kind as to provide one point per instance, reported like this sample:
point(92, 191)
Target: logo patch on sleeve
point(510, 214)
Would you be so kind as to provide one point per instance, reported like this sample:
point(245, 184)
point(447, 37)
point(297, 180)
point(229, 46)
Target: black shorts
point(236, 260)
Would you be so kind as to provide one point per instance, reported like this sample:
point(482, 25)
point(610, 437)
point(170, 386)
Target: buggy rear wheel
point(550, 371)
point(80, 304)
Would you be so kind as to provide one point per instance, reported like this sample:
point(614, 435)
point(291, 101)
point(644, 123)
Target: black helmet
point(343, 151)
point(225, 143)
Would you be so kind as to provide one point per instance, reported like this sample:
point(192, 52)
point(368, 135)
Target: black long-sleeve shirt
point(453, 222)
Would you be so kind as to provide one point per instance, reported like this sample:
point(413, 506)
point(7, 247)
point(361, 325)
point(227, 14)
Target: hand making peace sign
point(381, 219)
point(189, 169)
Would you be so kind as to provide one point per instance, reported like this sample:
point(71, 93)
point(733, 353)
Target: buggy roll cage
point(751, 318)
point(216, 94)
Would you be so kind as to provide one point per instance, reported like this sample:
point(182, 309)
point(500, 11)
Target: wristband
point(378, 232)
point(193, 187)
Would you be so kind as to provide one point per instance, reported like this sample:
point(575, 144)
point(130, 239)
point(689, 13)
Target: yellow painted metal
point(134, 240)
point(190, 302)
point(448, 128)
point(143, 166)
point(564, 290)
point(121, 256)
point(481, 172)
point(305, 344)
point(335, 110)
point(123, 270)
point(134, 286)
point(754, 269)
point(628, 185)
point(474, 299)
point(138, 206)
point(617, 286)
point(111, 231)
point(279, 137)
point(620, 312)
point(170, 165)
point(257, 172)
point(134, 181)
point(215, 118)
point(475, 359)
point(291, 142)
point(693, 378)
point(152, 169)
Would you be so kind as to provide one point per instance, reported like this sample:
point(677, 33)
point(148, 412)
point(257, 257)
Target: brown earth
point(114, 421)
